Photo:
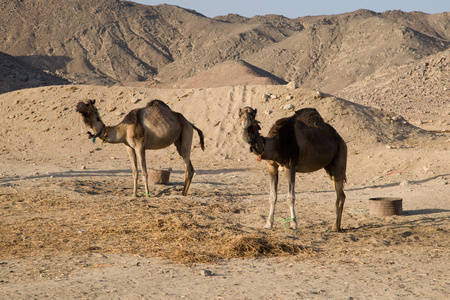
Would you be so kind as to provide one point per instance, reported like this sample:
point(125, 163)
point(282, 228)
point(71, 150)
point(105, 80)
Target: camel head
point(247, 117)
point(90, 116)
point(248, 122)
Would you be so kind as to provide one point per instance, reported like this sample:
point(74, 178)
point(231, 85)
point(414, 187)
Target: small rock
point(291, 85)
point(135, 100)
point(206, 273)
point(318, 95)
point(83, 167)
point(405, 183)
point(288, 107)
point(441, 180)
point(265, 97)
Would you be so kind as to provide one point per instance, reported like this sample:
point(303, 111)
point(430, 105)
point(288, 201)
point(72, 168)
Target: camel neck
point(113, 134)
point(258, 145)
point(263, 148)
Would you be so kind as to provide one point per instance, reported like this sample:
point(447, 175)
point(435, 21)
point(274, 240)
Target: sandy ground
point(71, 229)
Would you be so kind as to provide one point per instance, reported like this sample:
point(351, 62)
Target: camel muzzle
point(92, 136)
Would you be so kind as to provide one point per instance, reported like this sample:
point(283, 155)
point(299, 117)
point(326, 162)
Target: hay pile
point(81, 219)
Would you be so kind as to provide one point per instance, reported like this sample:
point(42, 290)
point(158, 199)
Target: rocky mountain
point(121, 42)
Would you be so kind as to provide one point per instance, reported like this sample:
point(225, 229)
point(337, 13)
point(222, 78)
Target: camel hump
point(309, 116)
point(158, 103)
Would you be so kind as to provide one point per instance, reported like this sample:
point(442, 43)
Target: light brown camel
point(155, 126)
point(301, 143)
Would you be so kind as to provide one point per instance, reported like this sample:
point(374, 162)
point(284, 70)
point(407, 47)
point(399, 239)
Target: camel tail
point(200, 135)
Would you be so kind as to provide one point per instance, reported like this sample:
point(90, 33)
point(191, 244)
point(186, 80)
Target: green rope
point(284, 221)
point(144, 194)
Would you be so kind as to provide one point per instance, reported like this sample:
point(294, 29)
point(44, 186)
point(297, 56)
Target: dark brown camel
point(301, 143)
point(155, 126)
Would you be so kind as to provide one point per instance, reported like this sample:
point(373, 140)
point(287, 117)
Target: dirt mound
point(46, 115)
point(232, 73)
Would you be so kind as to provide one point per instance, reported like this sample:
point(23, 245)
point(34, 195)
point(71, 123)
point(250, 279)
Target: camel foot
point(268, 226)
point(294, 227)
point(336, 229)
point(185, 191)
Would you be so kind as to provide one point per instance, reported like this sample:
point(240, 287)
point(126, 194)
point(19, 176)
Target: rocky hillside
point(15, 75)
point(121, 42)
point(419, 91)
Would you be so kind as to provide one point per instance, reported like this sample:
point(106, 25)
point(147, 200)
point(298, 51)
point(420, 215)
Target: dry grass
point(83, 216)
point(182, 229)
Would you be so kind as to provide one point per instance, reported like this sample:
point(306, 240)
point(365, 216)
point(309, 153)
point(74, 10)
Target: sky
point(299, 8)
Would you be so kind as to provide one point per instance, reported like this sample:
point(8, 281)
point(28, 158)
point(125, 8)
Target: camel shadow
point(69, 174)
point(110, 173)
point(393, 184)
point(220, 171)
point(425, 211)
point(115, 173)
point(408, 223)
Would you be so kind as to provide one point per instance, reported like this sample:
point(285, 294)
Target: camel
point(301, 143)
point(155, 126)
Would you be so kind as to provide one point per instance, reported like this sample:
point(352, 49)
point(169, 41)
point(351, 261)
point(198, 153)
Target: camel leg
point(339, 188)
point(273, 172)
point(132, 155)
point(140, 151)
point(188, 174)
point(183, 146)
point(290, 173)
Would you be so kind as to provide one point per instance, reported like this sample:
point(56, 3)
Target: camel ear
point(92, 102)
point(256, 111)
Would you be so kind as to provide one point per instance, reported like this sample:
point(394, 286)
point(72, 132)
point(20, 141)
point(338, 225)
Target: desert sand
point(70, 227)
